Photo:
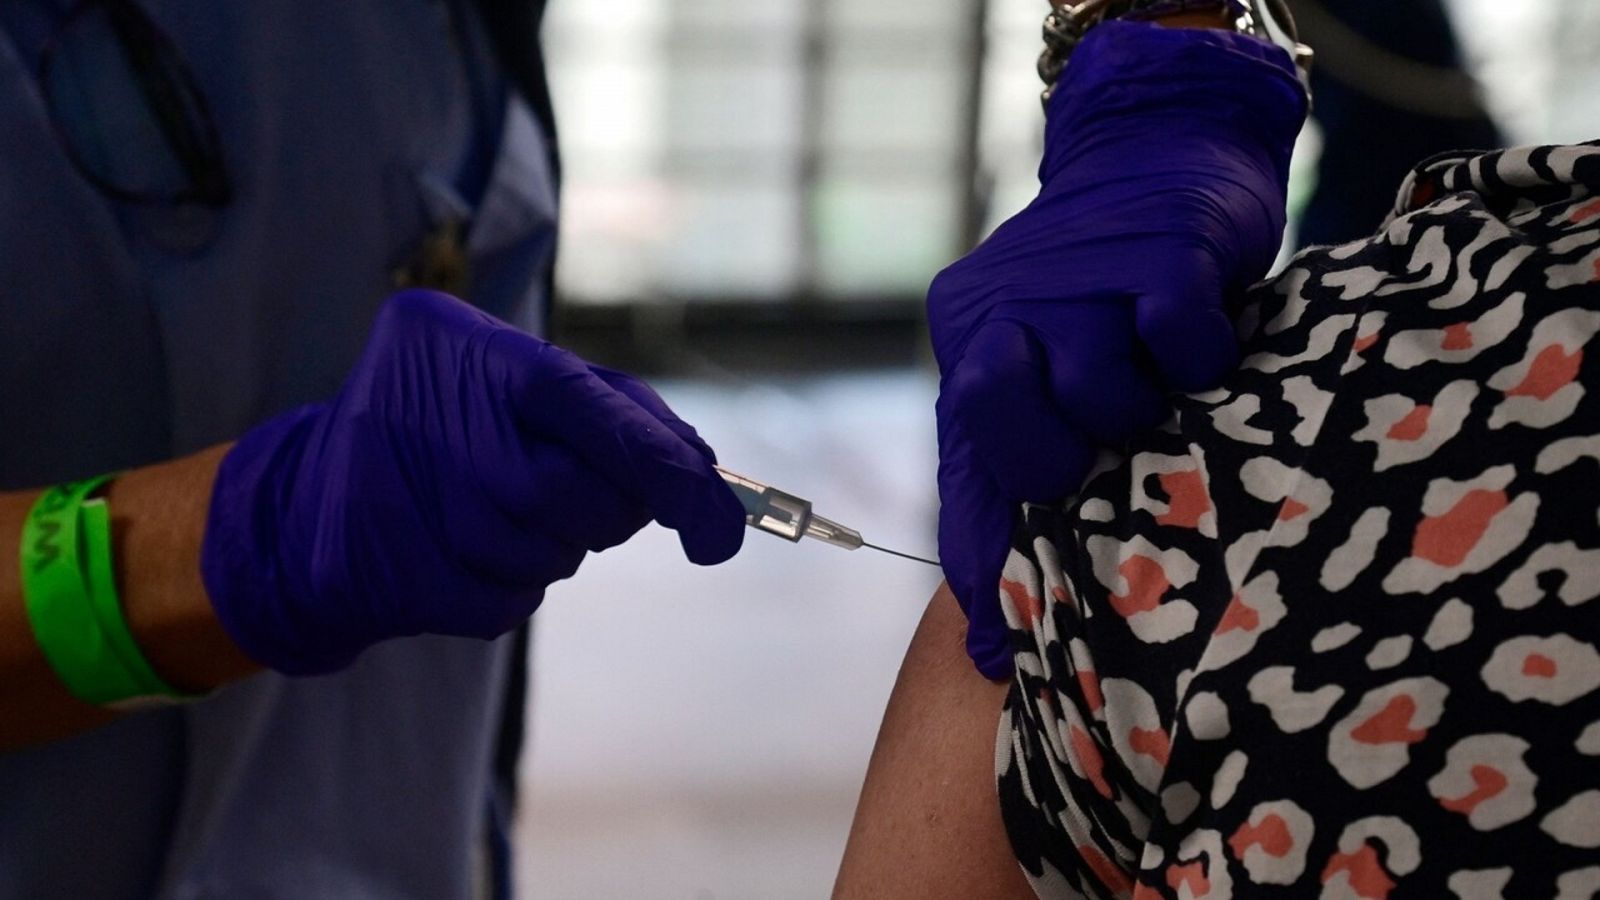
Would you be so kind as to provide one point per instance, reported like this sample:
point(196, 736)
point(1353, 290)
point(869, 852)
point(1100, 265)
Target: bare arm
point(928, 821)
point(158, 519)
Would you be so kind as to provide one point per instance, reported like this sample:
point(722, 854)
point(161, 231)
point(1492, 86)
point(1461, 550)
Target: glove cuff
point(241, 557)
point(1144, 82)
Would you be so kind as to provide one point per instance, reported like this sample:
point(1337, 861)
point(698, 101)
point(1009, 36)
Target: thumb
point(557, 396)
point(975, 522)
point(1181, 321)
point(997, 400)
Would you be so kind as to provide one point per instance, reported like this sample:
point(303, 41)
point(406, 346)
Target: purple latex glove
point(1162, 193)
point(463, 468)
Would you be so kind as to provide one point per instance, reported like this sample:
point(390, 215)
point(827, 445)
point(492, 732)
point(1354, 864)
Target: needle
point(919, 559)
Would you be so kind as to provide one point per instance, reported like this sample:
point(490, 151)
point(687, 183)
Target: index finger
point(643, 394)
point(556, 395)
point(1182, 322)
point(975, 523)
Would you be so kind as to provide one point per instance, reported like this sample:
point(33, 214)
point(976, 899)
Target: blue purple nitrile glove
point(463, 467)
point(1162, 193)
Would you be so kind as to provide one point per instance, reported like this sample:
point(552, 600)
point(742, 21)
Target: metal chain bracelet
point(1066, 25)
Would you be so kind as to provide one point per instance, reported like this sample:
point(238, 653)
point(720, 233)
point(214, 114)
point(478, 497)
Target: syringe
point(781, 513)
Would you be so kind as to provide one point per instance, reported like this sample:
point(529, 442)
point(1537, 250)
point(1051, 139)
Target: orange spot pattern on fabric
point(1553, 369)
point(1239, 616)
point(1063, 595)
point(1110, 874)
point(1537, 665)
point(1026, 603)
point(1487, 781)
point(1188, 500)
point(1391, 725)
point(1193, 874)
point(1090, 686)
point(1585, 212)
point(1412, 427)
point(1088, 754)
point(1367, 877)
point(1147, 581)
point(1423, 193)
point(1447, 539)
point(1272, 836)
point(1364, 341)
point(1291, 509)
point(1151, 742)
point(1457, 337)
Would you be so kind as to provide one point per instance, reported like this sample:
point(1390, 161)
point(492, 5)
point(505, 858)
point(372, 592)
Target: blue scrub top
point(349, 131)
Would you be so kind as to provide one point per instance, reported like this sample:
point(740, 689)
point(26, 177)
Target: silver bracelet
point(1066, 25)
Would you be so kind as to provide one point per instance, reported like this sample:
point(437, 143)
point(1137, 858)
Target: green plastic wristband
point(107, 606)
point(69, 587)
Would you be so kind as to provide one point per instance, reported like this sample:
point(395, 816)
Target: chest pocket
point(82, 388)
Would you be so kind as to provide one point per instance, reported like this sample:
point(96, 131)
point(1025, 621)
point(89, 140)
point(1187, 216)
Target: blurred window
point(756, 150)
point(773, 151)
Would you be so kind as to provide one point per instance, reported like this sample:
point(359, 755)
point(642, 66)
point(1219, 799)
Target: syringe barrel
point(769, 509)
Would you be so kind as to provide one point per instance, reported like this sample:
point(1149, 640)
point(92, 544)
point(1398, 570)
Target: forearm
point(158, 520)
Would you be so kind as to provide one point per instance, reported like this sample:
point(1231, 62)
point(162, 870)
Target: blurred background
point(756, 195)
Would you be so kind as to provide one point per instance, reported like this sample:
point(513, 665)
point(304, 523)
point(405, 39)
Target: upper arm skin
point(928, 821)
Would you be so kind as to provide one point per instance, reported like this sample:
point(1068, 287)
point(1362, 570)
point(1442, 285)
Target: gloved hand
point(463, 467)
point(1162, 194)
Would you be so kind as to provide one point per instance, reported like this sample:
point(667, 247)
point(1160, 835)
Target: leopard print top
point(1334, 631)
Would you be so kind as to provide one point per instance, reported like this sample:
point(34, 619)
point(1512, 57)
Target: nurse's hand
point(463, 468)
point(1163, 179)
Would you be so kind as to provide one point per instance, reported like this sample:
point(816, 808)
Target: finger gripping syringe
point(781, 513)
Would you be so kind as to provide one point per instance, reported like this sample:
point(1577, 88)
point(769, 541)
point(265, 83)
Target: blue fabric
point(1161, 194)
point(1368, 146)
point(165, 332)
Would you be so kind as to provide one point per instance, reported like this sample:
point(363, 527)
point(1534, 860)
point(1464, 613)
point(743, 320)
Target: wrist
point(1217, 18)
point(1068, 26)
point(158, 520)
point(69, 587)
point(109, 579)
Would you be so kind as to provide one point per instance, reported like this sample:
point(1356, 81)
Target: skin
point(1194, 20)
point(927, 824)
point(158, 519)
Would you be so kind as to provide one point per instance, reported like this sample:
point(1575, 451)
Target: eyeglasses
point(128, 110)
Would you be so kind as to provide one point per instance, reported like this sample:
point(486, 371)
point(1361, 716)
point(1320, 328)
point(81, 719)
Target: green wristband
point(69, 586)
point(107, 605)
